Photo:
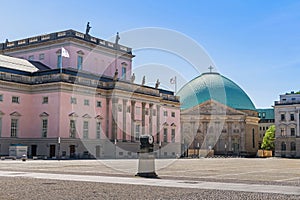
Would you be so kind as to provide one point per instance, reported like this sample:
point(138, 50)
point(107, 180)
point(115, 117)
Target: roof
point(213, 86)
point(17, 64)
point(39, 65)
point(266, 113)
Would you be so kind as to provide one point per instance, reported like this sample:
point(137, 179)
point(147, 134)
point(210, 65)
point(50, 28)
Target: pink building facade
point(89, 109)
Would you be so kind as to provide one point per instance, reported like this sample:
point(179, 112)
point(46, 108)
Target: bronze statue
point(157, 84)
point(87, 30)
point(116, 75)
point(144, 80)
point(117, 38)
point(132, 78)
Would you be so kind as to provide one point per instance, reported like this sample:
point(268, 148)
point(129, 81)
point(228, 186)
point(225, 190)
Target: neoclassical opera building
point(217, 115)
point(83, 103)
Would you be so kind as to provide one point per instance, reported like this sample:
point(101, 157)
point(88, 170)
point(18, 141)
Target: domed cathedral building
point(217, 117)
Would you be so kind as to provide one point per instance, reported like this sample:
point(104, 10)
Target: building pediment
point(99, 117)
point(211, 107)
point(87, 116)
point(15, 114)
point(44, 114)
point(73, 114)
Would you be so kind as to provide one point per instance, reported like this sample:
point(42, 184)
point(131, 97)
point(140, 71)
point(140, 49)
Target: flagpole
point(61, 60)
point(175, 85)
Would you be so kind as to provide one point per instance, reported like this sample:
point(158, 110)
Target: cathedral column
point(229, 125)
point(205, 138)
point(132, 120)
point(243, 139)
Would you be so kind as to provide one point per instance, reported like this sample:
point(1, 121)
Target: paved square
point(267, 178)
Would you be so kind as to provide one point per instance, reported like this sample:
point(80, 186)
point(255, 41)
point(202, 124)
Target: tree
point(268, 140)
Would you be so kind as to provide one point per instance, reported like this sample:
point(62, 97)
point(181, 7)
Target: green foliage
point(268, 140)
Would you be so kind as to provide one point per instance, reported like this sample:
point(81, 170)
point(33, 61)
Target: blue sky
point(254, 43)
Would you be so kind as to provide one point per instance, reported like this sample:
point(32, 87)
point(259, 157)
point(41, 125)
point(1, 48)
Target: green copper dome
point(214, 86)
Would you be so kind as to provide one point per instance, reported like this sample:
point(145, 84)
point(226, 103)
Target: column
point(107, 118)
point(114, 118)
point(143, 117)
point(132, 120)
point(243, 139)
point(158, 123)
point(229, 125)
point(124, 119)
point(150, 119)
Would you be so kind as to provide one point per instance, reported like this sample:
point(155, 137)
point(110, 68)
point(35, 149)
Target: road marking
point(275, 189)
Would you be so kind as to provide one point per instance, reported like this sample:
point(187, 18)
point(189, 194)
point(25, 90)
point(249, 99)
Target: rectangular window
point(86, 102)
point(282, 132)
point(292, 117)
point(14, 128)
point(72, 129)
point(59, 61)
point(85, 129)
point(15, 99)
point(31, 57)
point(173, 114)
point(137, 131)
point(292, 131)
point(173, 135)
point(41, 56)
point(98, 104)
point(79, 62)
point(263, 115)
point(73, 100)
point(253, 138)
point(165, 113)
point(44, 128)
point(45, 100)
point(282, 117)
point(123, 73)
point(165, 135)
point(98, 130)
point(1, 97)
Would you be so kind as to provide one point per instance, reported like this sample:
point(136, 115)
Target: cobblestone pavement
point(270, 172)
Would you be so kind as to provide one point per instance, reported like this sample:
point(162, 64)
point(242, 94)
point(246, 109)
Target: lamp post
point(159, 147)
point(58, 141)
point(198, 147)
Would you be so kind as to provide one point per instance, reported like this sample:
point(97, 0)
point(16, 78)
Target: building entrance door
point(72, 151)
point(236, 147)
point(98, 151)
point(33, 150)
point(52, 151)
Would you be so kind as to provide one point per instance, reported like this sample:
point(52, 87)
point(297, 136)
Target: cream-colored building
point(217, 115)
point(287, 120)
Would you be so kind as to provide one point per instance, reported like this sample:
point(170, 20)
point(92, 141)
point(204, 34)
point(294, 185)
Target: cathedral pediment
point(211, 107)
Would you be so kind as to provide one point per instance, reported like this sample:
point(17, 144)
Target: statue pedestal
point(146, 166)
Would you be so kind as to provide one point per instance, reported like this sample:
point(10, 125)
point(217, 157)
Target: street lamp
point(58, 141)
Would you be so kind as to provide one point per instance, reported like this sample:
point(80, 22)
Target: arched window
point(283, 146)
point(253, 138)
point(293, 146)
